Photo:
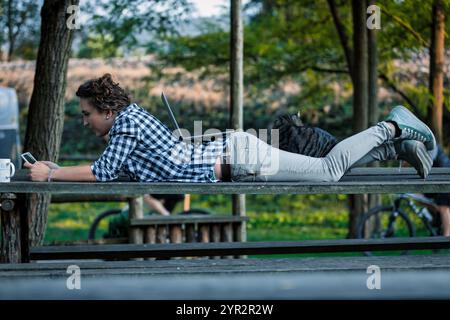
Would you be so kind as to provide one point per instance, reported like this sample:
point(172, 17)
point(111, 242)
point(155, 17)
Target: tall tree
point(436, 84)
point(360, 69)
point(2, 27)
point(237, 91)
point(373, 110)
point(18, 19)
point(343, 38)
point(360, 81)
point(46, 110)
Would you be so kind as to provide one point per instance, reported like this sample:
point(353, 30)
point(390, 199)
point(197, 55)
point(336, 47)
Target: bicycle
point(393, 220)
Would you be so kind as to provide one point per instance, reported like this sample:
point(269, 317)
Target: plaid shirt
point(146, 150)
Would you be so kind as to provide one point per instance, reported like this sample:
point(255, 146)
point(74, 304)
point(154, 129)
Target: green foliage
point(118, 27)
point(19, 22)
point(27, 49)
point(297, 41)
point(275, 46)
point(99, 46)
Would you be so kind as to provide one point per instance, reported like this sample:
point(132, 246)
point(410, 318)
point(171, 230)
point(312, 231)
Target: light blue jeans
point(252, 159)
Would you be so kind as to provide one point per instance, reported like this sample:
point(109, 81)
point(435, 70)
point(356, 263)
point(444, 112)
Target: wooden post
point(215, 236)
point(161, 234)
point(150, 237)
point(227, 232)
point(237, 90)
point(239, 210)
point(136, 211)
point(190, 232)
point(227, 236)
point(14, 247)
point(204, 232)
point(216, 232)
point(176, 234)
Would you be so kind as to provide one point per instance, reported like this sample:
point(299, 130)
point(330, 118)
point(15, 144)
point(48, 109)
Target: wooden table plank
point(357, 181)
point(344, 187)
point(128, 251)
point(399, 263)
point(402, 277)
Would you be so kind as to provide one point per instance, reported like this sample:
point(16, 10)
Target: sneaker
point(411, 127)
point(415, 153)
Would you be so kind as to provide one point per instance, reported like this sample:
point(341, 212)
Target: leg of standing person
point(444, 211)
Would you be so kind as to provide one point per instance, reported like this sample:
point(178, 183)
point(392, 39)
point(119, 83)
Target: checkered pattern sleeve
point(123, 140)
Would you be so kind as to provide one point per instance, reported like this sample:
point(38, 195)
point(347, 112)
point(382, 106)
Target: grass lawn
point(71, 222)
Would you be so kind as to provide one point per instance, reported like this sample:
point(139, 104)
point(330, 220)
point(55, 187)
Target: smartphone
point(28, 157)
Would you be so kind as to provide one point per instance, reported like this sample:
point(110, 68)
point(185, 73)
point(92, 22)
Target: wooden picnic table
point(357, 181)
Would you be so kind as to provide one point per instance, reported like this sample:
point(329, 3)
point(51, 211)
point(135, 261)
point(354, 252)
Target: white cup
point(7, 170)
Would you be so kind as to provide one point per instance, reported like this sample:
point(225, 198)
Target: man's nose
point(85, 123)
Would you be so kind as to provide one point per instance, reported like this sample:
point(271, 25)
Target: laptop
point(171, 115)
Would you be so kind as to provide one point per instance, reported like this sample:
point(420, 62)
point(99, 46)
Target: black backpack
point(296, 137)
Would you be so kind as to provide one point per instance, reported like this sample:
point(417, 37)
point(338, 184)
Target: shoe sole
point(408, 115)
point(423, 159)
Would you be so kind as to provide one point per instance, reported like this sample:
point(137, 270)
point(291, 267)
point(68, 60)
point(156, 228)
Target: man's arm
point(40, 172)
point(75, 173)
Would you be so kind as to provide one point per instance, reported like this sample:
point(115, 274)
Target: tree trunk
point(373, 112)
point(46, 110)
point(436, 86)
point(10, 25)
point(373, 199)
point(237, 90)
point(342, 36)
point(360, 96)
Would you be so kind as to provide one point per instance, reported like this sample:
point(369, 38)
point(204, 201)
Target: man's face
point(100, 122)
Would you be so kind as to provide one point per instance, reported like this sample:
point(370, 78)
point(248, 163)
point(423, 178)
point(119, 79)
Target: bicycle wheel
point(385, 222)
point(98, 219)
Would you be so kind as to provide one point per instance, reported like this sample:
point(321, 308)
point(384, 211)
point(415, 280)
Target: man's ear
point(109, 114)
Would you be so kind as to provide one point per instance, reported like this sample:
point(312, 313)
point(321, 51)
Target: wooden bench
point(189, 228)
point(357, 181)
point(167, 229)
point(129, 251)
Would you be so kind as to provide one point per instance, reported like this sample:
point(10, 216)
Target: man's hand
point(39, 171)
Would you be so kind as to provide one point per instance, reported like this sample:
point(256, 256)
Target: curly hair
point(104, 94)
